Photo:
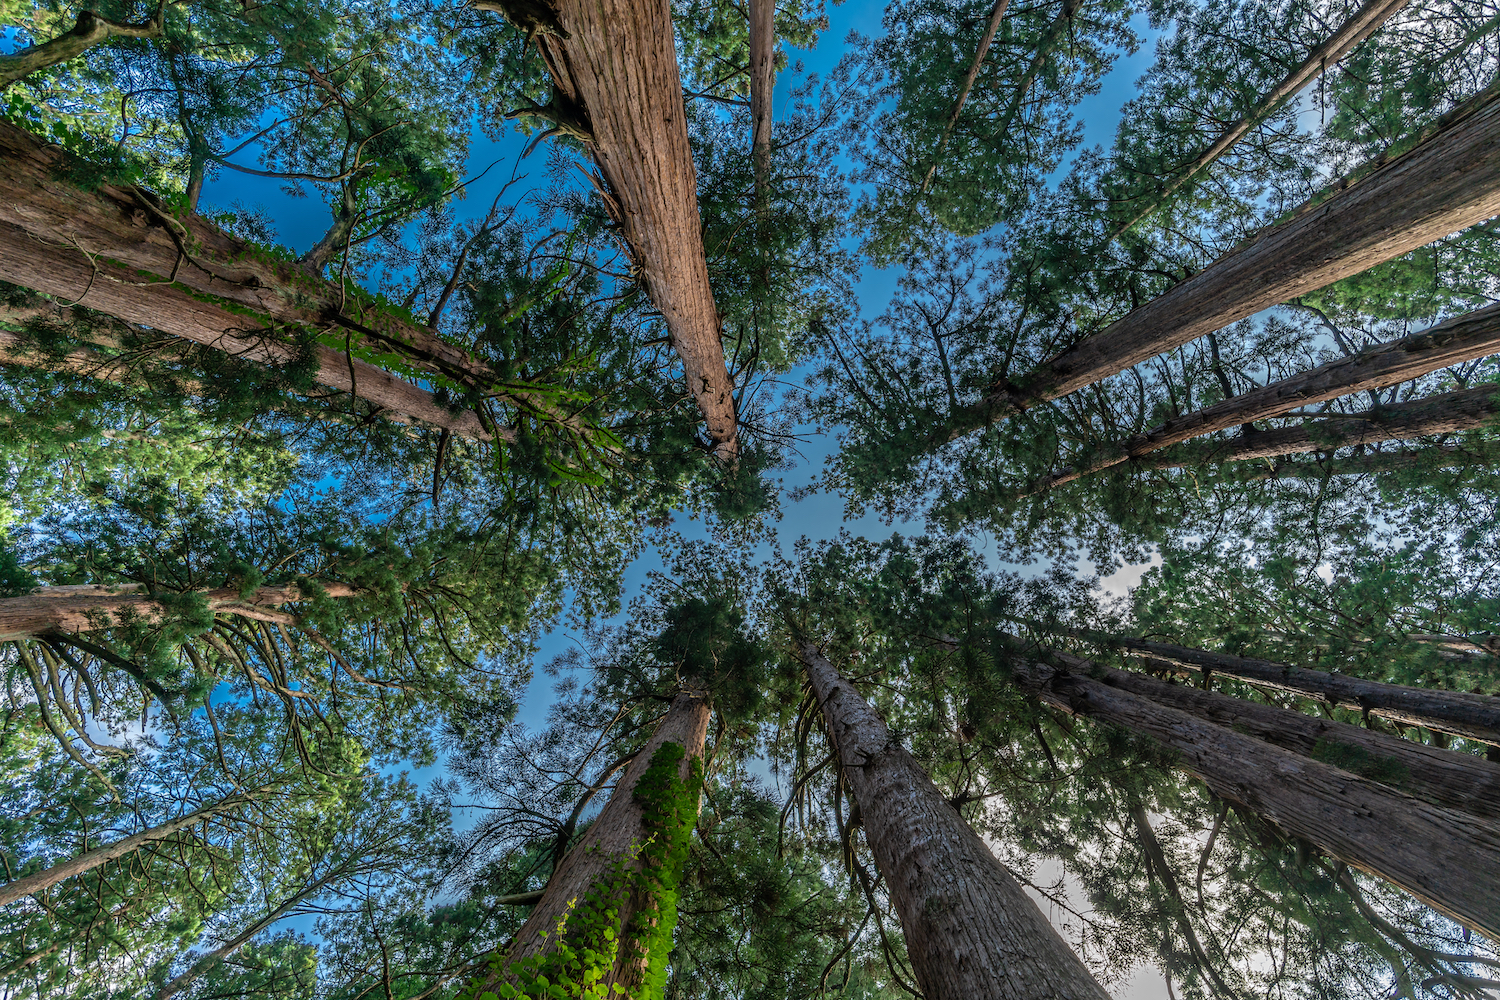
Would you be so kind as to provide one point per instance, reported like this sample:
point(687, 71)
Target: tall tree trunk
point(616, 87)
point(1445, 858)
point(762, 90)
point(1373, 463)
point(88, 860)
point(1447, 183)
point(1463, 338)
point(1445, 413)
point(618, 828)
point(89, 30)
point(71, 610)
point(1459, 713)
point(1051, 38)
point(970, 929)
point(997, 13)
point(1361, 24)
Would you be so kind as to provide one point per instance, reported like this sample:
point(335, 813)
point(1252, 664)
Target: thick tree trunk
point(1458, 713)
point(1445, 184)
point(70, 610)
point(1445, 858)
point(616, 830)
point(1349, 34)
point(1443, 777)
point(762, 89)
point(997, 13)
point(89, 30)
point(1463, 338)
point(616, 86)
point(970, 930)
point(88, 860)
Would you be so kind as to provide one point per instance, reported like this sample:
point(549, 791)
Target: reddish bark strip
point(1445, 184)
point(762, 88)
point(970, 930)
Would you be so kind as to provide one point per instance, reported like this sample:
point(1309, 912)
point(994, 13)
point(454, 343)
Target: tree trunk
point(1458, 713)
point(1373, 463)
point(970, 930)
point(65, 611)
point(1445, 858)
point(1446, 413)
point(997, 13)
point(1349, 34)
point(1443, 777)
point(762, 89)
point(89, 30)
point(1463, 338)
point(618, 829)
point(1050, 39)
point(91, 859)
point(1445, 184)
point(616, 87)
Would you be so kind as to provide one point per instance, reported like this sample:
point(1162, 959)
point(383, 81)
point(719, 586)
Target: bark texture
point(762, 89)
point(1458, 713)
point(617, 829)
point(616, 87)
point(1445, 184)
point(1463, 338)
point(970, 930)
point(88, 30)
point(87, 608)
point(1361, 24)
point(1445, 858)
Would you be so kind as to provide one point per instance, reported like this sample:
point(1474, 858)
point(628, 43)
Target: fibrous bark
point(970, 929)
point(1459, 713)
point(1463, 338)
point(69, 610)
point(762, 89)
point(1444, 857)
point(1448, 182)
point(88, 30)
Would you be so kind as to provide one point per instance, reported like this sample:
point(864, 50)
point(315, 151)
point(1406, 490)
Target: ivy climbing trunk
point(616, 87)
point(1444, 857)
point(970, 929)
point(1455, 341)
point(1459, 713)
point(1445, 184)
point(69, 610)
point(613, 840)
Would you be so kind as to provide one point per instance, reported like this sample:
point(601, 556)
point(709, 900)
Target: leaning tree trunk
point(1447, 859)
point(1051, 38)
point(970, 929)
point(616, 87)
point(88, 30)
point(618, 830)
point(1459, 713)
point(997, 13)
point(1463, 338)
point(1349, 34)
point(63, 611)
point(1447, 183)
point(91, 859)
point(1374, 463)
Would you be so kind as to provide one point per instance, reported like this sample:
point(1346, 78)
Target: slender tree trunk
point(1443, 777)
point(1459, 713)
point(1050, 40)
point(997, 13)
point(71, 610)
point(1447, 183)
point(89, 30)
point(617, 829)
point(1463, 338)
point(762, 89)
point(1445, 858)
point(88, 860)
point(1375, 463)
point(1360, 26)
point(970, 930)
point(616, 87)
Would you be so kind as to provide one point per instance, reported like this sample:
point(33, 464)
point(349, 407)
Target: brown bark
point(1445, 858)
point(616, 87)
point(71, 610)
point(762, 90)
point(89, 30)
point(1458, 713)
point(997, 13)
point(970, 929)
point(1448, 182)
point(1361, 24)
point(614, 832)
point(1463, 338)
point(91, 859)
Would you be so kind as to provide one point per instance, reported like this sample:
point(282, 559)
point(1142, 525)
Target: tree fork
point(970, 929)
